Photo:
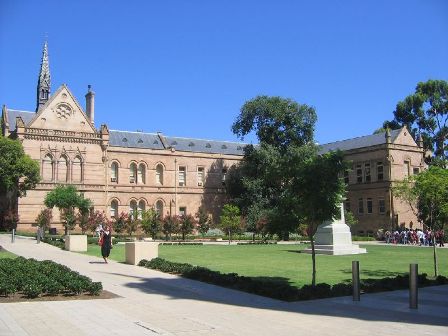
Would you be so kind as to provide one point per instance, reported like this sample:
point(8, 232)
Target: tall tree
point(230, 220)
point(187, 224)
point(276, 121)
point(425, 113)
point(150, 222)
point(66, 198)
point(427, 194)
point(18, 173)
point(318, 192)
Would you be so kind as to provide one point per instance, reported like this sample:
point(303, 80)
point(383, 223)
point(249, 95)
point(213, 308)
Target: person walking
point(106, 242)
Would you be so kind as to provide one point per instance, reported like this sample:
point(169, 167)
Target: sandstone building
point(131, 171)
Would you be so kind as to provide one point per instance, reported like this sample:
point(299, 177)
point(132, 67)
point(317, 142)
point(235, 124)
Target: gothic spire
point(43, 83)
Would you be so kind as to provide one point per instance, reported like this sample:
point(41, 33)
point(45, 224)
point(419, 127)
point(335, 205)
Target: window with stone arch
point(133, 209)
point(141, 208)
point(114, 208)
point(47, 168)
point(159, 208)
point(63, 169)
point(114, 171)
point(159, 174)
point(77, 170)
point(133, 173)
point(141, 178)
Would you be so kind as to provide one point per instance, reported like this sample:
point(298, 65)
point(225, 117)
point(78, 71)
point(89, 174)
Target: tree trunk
point(435, 256)
point(229, 237)
point(253, 236)
point(313, 257)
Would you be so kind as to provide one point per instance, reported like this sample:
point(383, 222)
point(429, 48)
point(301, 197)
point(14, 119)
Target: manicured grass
point(6, 254)
point(284, 262)
point(117, 253)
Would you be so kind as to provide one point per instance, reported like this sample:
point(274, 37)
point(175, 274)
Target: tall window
point(63, 169)
point(379, 171)
point(200, 176)
point(223, 176)
point(346, 177)
point(114, 208)
point(182, 176)
point(141, 208)
point(367, 172)
point(359, 173)
point(133, 209)
point(369, 205)
point(381, 206)
point(347, 205)
point(133, 173)
point(415, 170)
point(182, 211)
point(141, 173)
point(47, 168)
point(360, 206)
point(159, 174)
point(77, 170)
point(406, 168)
point(114, 172)
point(159, 208)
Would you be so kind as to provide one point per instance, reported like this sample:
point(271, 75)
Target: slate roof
point(134, 140)
point(360, 142)
point(13, 114)
point(152, 141)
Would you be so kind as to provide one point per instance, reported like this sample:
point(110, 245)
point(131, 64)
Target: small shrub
point(32, 289)
point(95, 288)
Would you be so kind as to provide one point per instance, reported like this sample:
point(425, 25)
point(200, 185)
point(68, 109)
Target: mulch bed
point(18, 297)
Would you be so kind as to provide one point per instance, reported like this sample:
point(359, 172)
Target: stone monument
point(334, 238)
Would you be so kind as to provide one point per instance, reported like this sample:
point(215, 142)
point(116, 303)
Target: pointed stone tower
point(43, 83)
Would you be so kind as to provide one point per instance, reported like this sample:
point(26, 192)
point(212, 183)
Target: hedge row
point(181, 243)
point(280, 290)
point(261, 242)
point(33, 278)
point(55, 241)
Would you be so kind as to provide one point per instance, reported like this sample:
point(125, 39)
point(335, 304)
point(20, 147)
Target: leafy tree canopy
point(425, 113)
point(276, 121)
point(18, 172)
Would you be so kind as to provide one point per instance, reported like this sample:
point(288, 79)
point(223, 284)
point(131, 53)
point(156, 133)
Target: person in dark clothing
point(106, 243)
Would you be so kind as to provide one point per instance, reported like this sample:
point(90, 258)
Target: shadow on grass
point(178, 288)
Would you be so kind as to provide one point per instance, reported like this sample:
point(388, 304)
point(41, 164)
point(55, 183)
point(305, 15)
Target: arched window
point(159, 174)
point(141, 173)
point(114, 208)
point(159, 208)
point(133, 209)
point(77, 170)
point(141, 208)
point(114, 172)
point(47, 168)
point(63, 169)
point(133, 173)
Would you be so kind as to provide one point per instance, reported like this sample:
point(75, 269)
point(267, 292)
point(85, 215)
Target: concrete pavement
point(155, 303)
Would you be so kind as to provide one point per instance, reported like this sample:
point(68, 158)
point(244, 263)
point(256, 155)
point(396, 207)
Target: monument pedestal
point(334, 238)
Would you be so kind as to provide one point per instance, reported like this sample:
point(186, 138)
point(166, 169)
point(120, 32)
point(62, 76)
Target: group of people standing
point(415, 237)
point(104, 240)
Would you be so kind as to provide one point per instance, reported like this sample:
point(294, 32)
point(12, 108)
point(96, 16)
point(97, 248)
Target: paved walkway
point(154, 303)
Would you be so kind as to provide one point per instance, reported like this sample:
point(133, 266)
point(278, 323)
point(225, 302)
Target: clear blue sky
point(186, 67)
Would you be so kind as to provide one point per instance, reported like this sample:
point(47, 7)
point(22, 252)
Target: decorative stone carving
point(63, 111)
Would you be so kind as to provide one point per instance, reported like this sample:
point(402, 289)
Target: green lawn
point(117, 252)
point(284, 262)
point(6, 254)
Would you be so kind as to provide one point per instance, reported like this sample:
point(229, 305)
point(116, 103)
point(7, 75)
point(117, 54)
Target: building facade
point(123, 171)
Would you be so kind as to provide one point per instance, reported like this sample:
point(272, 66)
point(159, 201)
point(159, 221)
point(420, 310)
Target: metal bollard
point(413, 286)
point(355, 280)
point(13, 235)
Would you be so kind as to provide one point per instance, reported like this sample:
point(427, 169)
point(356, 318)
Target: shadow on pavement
point(185, 289)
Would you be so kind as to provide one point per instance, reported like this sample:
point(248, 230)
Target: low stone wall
point(76, 243)
point(136, 251)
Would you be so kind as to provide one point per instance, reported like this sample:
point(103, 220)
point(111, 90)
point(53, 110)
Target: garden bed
point(27, 279)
